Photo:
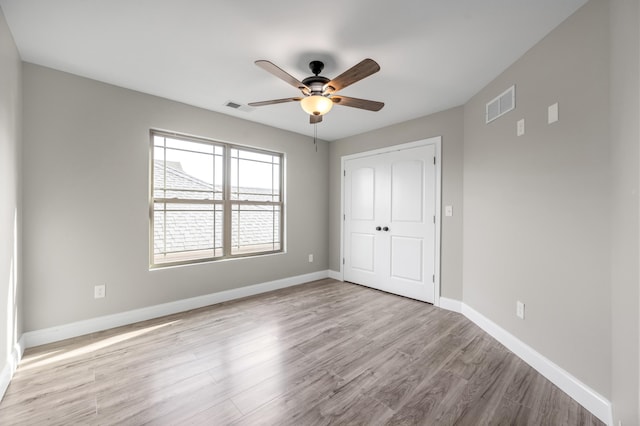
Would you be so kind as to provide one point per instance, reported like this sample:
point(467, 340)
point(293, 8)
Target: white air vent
point(501, 105)
point(238, 106)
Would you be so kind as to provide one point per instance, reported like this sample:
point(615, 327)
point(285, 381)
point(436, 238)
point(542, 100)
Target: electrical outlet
point(520, 309)
point(99, 291)
point(520, 127)
point(310, 258)
point(552, 113)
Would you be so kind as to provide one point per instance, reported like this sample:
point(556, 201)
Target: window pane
point(256, 156)
point(187, 175)
point(190, 146)
point(255, 228)
point(189, 169)
point(276, 180)
point(187, 231)
point(256, 178)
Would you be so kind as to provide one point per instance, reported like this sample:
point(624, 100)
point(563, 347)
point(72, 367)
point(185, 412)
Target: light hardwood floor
point(320, 353)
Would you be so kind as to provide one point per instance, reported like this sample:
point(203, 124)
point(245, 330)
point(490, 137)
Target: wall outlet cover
point(99, 291)
point(553, 113)
point(520, 127)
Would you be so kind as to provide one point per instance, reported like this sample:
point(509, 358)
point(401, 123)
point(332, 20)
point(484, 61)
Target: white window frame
point(226, 202)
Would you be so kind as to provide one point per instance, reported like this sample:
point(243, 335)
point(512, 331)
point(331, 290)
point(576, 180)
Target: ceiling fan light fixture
point(316, 104)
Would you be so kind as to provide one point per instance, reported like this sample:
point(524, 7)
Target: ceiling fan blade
point(273, 101)
point(357, 103)
point(313, 119)
point(352, 75)
point(282, 74)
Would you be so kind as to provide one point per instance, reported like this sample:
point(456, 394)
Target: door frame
point(437, 142)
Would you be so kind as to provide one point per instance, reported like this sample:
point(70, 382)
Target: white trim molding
point(598, 405)
point(79, 328)
point(336, 275)
point(10, 366)
point(451, 304)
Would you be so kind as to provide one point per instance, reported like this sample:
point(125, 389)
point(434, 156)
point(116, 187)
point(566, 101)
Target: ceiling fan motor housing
point(316, 84)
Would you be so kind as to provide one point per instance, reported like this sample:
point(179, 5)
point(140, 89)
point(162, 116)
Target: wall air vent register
point(501, 105)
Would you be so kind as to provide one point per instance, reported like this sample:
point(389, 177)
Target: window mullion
point(213, 197)
point(281, 200)
point(164, 194)
point(226, 215)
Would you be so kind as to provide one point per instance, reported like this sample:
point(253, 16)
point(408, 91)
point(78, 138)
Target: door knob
point(385, 229)
point(378, 228)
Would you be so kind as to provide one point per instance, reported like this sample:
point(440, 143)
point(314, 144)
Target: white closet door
point(389, 231)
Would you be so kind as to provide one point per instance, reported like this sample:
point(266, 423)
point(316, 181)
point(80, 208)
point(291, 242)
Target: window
point(211, 200)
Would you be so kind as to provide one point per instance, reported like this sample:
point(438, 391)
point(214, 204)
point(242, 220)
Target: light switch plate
point(448, 211)
point(520, 127)
point(520, 309)
point(552, 113)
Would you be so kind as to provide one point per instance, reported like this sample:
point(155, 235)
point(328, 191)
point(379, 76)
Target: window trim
point(226, 202)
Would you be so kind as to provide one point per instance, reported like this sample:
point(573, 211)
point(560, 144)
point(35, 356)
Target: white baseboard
point(598, 405)
point(79, 328)
point(336, 275)
point(451, 304)
point(10, 366)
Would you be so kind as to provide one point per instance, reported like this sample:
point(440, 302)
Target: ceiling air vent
point(238, 106)
point(501, 105)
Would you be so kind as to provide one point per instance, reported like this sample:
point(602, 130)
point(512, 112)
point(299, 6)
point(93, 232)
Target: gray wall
point(447, 124)
point(86, 150)
point(10, 194)
point(536, 207)
point(625, 279)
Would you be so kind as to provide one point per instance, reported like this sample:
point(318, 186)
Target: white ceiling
point(433, 54)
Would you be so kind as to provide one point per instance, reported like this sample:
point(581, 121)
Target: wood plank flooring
point(321, 353)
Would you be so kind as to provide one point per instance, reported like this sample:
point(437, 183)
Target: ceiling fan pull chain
point(315, 135)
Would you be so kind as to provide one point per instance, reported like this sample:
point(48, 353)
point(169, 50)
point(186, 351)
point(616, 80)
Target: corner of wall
point(6, 374)
point(625, 207)
point(10, 204)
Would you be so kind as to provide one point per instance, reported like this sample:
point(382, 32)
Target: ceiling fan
point(319, 93)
